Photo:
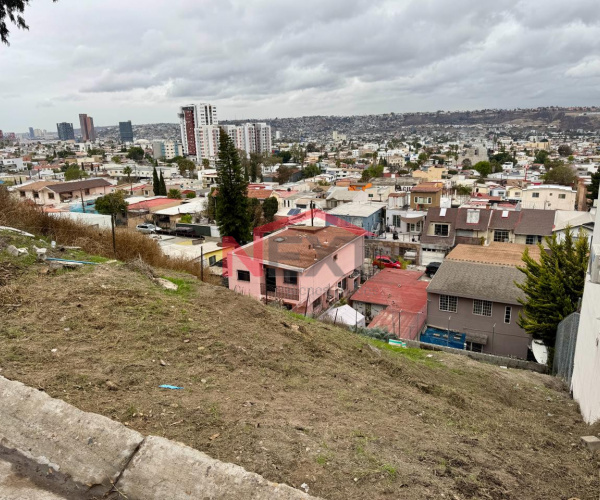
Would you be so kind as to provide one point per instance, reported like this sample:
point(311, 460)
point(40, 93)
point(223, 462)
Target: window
point(414, 228)
point(50, 196)
point(482, 307)
point(22, 193)
point(243, 275)
point(87, 191)
point(422, 199)
point(440, 229)
point(212, 260)
point(562, 196)
point(532, 239)
point(517, 193)
point(344, 284)
point(501, 235)
point(448, 303)
point(507, 314)
point(290, 277)
point(36, 194)
point(396, 220)
point(535, 195)
point(475, 347)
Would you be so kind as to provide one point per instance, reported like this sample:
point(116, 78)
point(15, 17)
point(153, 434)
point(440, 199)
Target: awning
point(478, 338)
point(412, 220)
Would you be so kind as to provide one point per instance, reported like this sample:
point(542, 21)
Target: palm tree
point(127, 171)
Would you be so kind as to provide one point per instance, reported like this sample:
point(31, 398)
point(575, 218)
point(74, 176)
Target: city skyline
point(342, 58)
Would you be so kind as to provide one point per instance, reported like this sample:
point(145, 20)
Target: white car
point(147, 228)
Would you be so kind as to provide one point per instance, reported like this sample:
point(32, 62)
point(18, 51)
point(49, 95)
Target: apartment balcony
point(280, 292)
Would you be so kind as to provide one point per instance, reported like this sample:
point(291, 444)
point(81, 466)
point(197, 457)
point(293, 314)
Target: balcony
point(280, 292)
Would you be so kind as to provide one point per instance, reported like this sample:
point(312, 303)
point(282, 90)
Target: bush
point(131, 245)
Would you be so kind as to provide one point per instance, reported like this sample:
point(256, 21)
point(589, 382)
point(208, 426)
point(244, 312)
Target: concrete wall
point(74, 454)
point(505, 339)
point(486, 358)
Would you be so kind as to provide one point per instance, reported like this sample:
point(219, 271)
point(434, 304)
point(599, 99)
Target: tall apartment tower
point(126, 131)
point(31, 133)
point(199, 125)
point(250, 137)
point(88, 133)
point(65, 131)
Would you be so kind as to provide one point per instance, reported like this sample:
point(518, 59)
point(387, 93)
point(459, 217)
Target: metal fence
point(564, 349)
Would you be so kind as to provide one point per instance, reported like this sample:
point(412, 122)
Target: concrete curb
point(76, 454)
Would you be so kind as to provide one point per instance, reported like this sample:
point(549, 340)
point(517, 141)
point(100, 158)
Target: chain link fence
point(564, 349)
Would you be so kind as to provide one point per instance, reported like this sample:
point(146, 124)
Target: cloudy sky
point(139, 59)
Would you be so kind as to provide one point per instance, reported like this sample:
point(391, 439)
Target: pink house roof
point(394, 287)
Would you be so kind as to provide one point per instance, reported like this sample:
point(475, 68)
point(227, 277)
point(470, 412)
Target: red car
point(385, 261)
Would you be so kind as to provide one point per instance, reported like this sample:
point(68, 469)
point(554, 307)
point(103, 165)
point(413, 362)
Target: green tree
point(270, 207)
point(116, 159)
point(155, 182)
point(284, 173)
point(186, 219)
point(592, 192)
point(311, 171)
point(190, 195)
point(254, 169)
point(541, 156)
point(464, 190)
point(553, 286)
point(163, 186)
point(73, 172)
point(483, 167)
point(255, 212)
point(565, 150)
point(112, 204)
point(205, 163)
point(11, 10)
point(174, 194)
point(127, 171)
point(135, 153)
point(232, 201)
point(560, 174)
point(186, 165)
point(284, 156)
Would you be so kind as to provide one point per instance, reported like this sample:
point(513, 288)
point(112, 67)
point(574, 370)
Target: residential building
point(575, 220)
point(126, 131)
point(53, 193)
point(426, 195)
point(527, 226)
point(12, 165)
point(586, 369)
point(166, 149)
point(439, 233)
point(549, 197)
point(250, 137)
point(306, 268)
point(474, 293)
point(368, 216)
point(88, 132)
point(65, 131)
point(394, 300)
point(198, 123)
point(431, 173)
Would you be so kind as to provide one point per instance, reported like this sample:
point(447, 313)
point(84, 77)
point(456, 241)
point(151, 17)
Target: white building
point(586, 365)
point(166, 149)
point(198, 123)
point(250, 137)
point(12, 165)
point(549, 197)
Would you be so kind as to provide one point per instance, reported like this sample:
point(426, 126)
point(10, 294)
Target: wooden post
point(307, 297)
point(335, 319)
point(202, 262)
point(113, 220)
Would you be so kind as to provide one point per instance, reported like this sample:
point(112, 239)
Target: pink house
point(305, 268)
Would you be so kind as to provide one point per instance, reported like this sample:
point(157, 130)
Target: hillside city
point(299, 251)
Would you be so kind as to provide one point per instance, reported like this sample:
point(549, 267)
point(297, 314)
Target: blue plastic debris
point(169, 387)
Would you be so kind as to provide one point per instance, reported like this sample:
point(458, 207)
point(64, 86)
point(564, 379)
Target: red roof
point(154, 202)
point(395, 287)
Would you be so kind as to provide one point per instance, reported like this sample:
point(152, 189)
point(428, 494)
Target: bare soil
point(297, 401)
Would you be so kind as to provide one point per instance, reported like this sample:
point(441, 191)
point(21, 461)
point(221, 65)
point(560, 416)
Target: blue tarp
point(437, 336)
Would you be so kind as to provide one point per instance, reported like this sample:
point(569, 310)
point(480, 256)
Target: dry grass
point(296, 401)
point(130, 244)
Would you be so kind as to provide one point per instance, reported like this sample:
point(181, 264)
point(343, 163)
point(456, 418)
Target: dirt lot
point(293, 400)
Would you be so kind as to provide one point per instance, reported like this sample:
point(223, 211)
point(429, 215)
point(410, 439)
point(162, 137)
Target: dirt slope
point(296, 401)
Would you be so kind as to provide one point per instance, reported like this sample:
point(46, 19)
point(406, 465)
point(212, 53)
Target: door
point(270, 279)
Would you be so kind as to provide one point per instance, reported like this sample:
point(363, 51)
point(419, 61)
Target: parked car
point(432, 268)
point(147, 228)
point(385, 261)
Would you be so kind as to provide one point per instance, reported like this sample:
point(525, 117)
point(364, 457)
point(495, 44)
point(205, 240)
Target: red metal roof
point(395, 287)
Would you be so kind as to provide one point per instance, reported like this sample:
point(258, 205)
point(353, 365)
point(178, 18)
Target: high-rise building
point(126, 131)
point(166, 149)
point(31, 133)
point(88, 133)
point(191, 119)
point(65, 131)
point(250, 137)
point(1, 135)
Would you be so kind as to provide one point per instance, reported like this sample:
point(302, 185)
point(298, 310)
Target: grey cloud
point(290, 57)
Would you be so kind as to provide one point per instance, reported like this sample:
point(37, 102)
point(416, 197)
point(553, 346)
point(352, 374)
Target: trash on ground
point(165, 386)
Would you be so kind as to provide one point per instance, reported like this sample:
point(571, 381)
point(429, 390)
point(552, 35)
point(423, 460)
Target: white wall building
point(193, 120)
point(166, 149)
point(251, 137)
point(549, 197)
point(586, 369)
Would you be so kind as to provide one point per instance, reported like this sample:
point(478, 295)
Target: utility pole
point(113, 219)
point(202, 262)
